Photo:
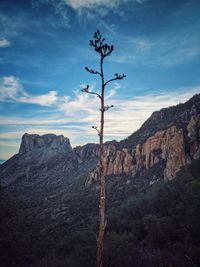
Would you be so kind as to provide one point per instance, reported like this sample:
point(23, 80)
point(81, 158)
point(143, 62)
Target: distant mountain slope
point(47, 159)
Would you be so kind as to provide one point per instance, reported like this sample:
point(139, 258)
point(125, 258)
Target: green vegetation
point(158, 226)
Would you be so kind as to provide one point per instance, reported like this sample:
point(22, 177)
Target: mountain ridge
point(148, 146)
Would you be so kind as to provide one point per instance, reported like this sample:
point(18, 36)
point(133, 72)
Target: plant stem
point(102, 193)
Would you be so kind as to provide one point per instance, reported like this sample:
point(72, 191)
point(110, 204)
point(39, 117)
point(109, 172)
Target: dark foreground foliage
point(155, 227)
point(160, 227)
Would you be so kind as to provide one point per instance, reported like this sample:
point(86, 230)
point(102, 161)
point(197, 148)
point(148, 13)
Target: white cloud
point(100, 4)
point(91, 4)
point(43, 100)
point(4, 42)
point(84, 107)
point(11, 90)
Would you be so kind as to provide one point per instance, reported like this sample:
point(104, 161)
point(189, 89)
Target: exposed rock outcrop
point(176, 147)
point(47, 142)
point(89, 151)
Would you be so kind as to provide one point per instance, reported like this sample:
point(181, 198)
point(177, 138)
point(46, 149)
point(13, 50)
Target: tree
point(104, 50)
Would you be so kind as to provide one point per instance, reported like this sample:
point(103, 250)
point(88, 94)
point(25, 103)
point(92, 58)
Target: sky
point(44, 49)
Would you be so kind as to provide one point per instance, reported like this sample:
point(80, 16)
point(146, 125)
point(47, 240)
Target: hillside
point(49, 195)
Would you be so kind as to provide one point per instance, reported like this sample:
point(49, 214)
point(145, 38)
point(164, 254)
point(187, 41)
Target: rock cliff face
point(47, 142)
point(167, 145)
point(89, 151)
point(175, 146)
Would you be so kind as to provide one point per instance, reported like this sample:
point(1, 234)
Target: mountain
point(48, 143)
point(47, 159)
point(169, 138)
point(49, 196)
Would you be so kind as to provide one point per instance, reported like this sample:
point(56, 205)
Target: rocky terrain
point(49, 190)
point(173, 143)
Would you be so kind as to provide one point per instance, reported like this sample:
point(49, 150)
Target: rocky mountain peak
point(52, 142)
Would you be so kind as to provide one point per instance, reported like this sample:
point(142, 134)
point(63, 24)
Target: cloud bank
point(73, 116)
point(11, 90)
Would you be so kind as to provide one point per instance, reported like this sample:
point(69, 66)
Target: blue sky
point(44, 47)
